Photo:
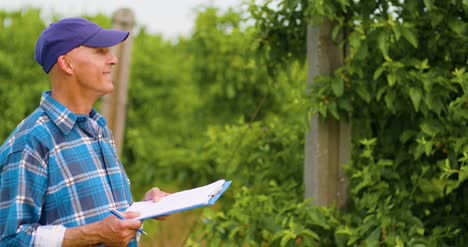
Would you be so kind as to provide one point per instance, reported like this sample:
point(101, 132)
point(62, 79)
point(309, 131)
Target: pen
point(122, 217)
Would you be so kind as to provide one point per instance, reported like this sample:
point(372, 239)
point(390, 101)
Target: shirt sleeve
point(23, 185)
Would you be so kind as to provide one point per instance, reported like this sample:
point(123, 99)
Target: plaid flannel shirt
point(58, 168)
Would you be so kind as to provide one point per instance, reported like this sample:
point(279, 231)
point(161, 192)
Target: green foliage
point(264, 160)
point(21, 79)
point(179, 104)
point(281, 28)
point(225, 70)
point(273, 218)
point(407, 95)
point(403, 84)
point(161, 113)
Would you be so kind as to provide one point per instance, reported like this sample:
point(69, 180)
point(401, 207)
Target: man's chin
point(110, 87)
point(107, 90)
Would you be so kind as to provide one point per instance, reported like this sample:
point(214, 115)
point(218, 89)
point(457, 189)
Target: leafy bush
point(403, 84)
point(21, 79)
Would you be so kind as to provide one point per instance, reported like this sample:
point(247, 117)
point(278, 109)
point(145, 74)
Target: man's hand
point(155, 195)
point(111, 231)
point(117, 232)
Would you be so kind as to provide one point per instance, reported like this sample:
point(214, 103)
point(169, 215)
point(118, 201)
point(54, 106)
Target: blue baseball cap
point(67, 34)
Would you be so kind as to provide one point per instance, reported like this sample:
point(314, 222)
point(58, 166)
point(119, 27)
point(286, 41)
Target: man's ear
point(64, 65)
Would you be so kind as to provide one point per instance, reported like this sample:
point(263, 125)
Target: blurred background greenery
point(230, 101)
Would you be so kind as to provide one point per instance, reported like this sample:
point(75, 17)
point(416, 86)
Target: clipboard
point(181, 201)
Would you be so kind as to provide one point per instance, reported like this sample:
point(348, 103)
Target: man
point(59, 171)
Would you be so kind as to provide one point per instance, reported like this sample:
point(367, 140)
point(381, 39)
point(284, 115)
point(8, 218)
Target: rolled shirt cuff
point(49, 236)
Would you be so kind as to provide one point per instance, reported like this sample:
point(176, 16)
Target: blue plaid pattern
point(58, 168)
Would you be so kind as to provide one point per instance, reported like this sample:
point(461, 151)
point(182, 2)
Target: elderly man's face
point(92, 69)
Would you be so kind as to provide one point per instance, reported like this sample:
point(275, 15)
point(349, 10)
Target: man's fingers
point(130, 224)
point(162, 218)
point(155, 195)
point(131, 215)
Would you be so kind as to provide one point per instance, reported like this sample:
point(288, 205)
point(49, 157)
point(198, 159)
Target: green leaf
point(463, 174)
point(322, 109)
point(345, 104)
point(416, 96)
point(354, 40)
point(363, 51)
point(363, 93)
point(311, 234)
point(285, 239)
point(428, 4)
point(373, 238)
point(344, 230)
point(378, 72)
point(437, 18)
point(333, 110)
point(410, 36)
point(428, 148)
point(430, 128)
point(337, 86)
point(390, 99)
point(399, 243)
point(391, 79)
point(380, 92)
point(292, 4)
point(382, 43)
point(396, 31)
point(456, 25)
point(335, 31)
point(278, 235)
point(368, 142)
point(423, 65)
point(407, 135)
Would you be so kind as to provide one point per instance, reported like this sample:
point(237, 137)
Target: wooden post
point(328, 143)
point(114, 105)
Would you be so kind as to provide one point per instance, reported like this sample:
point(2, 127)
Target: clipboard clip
point(216, 190)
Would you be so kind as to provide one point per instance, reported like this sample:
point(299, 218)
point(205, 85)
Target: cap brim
point(106, 38)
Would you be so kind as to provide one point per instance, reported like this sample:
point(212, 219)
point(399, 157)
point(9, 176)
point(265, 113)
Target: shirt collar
point(63, 118)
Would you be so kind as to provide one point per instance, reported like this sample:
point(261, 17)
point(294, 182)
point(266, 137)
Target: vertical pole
point(328, 142)
point(114, 105)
